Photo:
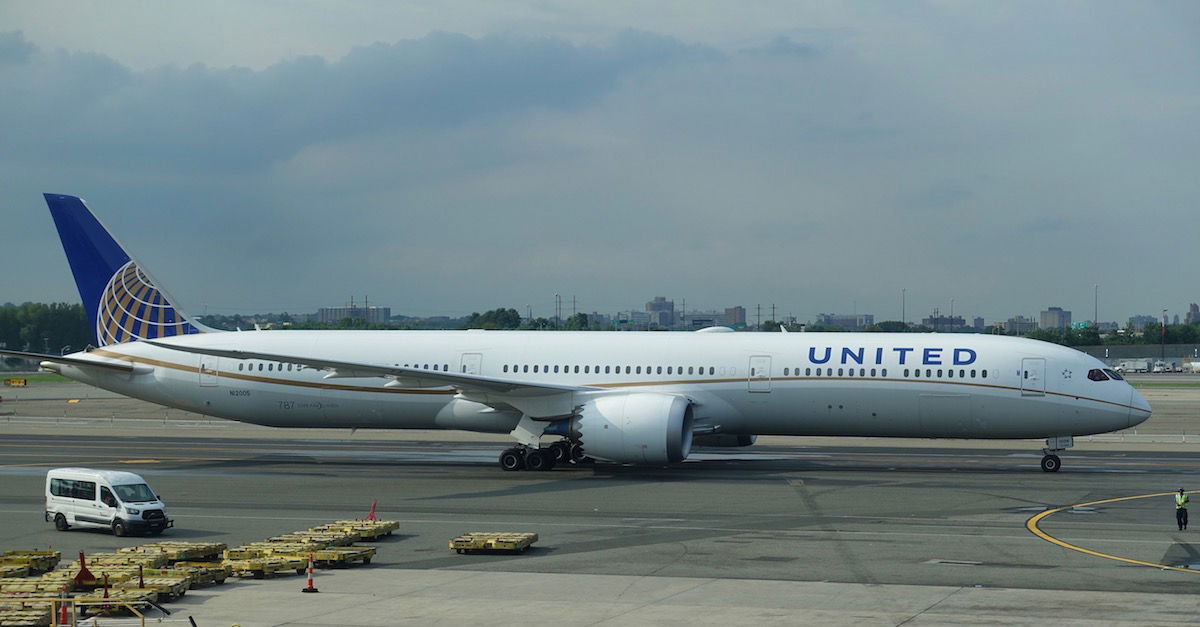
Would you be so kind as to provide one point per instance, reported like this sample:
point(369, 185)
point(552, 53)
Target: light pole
point(903, 306)
point(1096, 307)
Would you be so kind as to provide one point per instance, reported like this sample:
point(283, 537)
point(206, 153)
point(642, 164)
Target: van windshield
point(134, 493)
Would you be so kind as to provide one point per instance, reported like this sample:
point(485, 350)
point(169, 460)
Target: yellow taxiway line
point(1032, 526)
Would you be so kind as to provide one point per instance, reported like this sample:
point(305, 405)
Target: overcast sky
point(444, 158)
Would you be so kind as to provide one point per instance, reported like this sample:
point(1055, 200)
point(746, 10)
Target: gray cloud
point(230, 119)
point(1006, 156)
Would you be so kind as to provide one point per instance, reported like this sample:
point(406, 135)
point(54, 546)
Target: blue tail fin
point(121, 300)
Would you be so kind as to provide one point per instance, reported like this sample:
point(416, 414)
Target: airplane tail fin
point(122, 301)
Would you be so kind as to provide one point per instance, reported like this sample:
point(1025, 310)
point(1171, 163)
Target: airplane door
point(760, 373)
point(1033, 376)
point(208, 371)
point(471, 363)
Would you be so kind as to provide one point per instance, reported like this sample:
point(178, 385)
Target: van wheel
point(60, 522)
point(119, 529)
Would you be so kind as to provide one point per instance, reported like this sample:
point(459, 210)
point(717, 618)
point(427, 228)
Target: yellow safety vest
point(1181, 501)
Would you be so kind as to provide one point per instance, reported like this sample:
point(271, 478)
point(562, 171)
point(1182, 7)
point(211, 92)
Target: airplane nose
point(1139, 408)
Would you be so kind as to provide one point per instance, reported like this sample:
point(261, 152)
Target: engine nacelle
point(635, 428)
point(724, 440)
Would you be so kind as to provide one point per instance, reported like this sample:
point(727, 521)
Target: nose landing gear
point(1054, 445)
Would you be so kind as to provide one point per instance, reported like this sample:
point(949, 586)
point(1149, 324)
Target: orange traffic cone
point(63, 618)
point(310, 587)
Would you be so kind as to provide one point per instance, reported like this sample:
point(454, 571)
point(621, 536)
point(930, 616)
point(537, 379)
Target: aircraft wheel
point(539, 460)
point(560, 451)
point(1051, 463)
point(511, 460)
point(577, 454)
point(60, 522)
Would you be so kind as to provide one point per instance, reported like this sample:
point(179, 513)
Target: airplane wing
point(404, 377)
point(121, 366)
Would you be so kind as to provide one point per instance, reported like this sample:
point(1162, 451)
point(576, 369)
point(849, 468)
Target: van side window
point(106, 496)
point(85, 490)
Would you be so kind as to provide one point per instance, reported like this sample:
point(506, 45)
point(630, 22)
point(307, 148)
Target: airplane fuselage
point(834, 384)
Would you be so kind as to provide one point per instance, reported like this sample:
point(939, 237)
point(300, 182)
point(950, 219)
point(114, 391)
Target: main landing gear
point(1058, 444)
point(523, 457)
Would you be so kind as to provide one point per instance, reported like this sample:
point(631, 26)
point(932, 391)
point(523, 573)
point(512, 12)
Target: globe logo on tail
point(132, 308)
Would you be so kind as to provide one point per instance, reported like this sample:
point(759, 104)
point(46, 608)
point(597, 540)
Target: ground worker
point(1181, 503)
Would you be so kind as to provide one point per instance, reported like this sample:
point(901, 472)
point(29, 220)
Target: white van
point(107, 499)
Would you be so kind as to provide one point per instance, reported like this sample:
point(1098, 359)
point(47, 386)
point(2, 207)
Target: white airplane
point(641, 398)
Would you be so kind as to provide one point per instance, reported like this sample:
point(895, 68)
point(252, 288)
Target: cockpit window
point(1114, 374)
point(1095, 374)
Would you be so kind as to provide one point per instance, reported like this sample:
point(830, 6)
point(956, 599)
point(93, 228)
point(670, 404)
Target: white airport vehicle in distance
point(627, 397)
point(105, 499)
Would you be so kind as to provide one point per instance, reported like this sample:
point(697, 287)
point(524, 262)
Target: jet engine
point(635, 428)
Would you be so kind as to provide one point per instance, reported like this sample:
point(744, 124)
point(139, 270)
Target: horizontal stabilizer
point(82, 362)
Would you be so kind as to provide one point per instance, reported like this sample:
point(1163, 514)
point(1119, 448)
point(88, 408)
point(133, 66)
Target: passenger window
point(535, 368)
point(556, 369)
point(807, 371)
point(884, 372)
point(576, 369)
point(525, 368)
point(983, 374)
point(260, 367)
point(85, 490)
point(862, 372)
point(962, 373)
point(950, 373)
point(505, 367)
point(628, 369)
point(939, 373)
point(839, 372)
point(691, 370)
point(786, 371)
point(712, 370)
point(658, 370)
point(872, 372)
point(240, 366)
point(906, 372)
point(850, 372)
point(1096, 375)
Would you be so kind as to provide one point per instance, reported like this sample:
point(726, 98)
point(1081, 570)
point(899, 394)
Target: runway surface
point(860, 515)
point(836, 531)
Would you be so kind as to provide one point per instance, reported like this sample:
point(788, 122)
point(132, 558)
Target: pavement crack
point(935, 604)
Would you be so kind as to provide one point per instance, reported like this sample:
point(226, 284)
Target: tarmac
point(791, 530)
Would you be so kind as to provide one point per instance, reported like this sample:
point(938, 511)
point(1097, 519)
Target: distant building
point(735, 316)
point(849, 322)
point(1193, 314)
point(1019, 325)
point(661, 311)
point(702, 320)
point(1056, 318)
point(638, 320)
point(978, 324)
point(368, 314)
point(1138, 323)
point(944, 323)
